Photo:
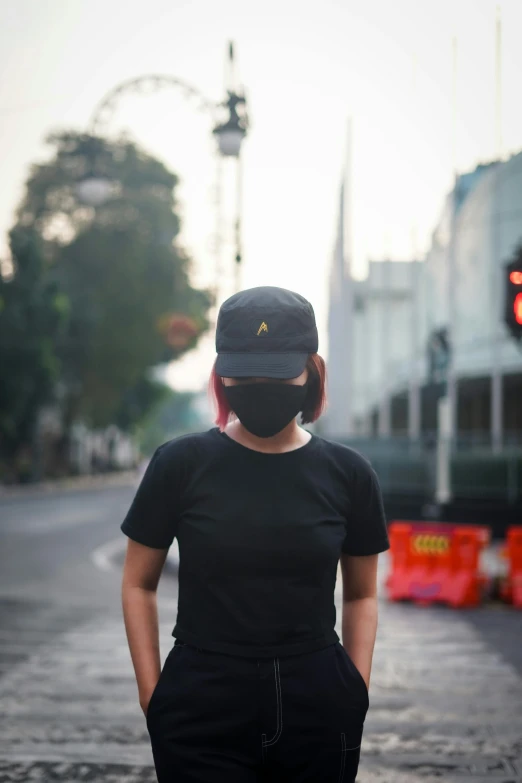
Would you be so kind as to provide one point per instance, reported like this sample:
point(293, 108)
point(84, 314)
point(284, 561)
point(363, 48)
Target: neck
point(291, 437)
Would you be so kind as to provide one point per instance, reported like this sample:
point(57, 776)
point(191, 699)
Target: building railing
point(478, 473)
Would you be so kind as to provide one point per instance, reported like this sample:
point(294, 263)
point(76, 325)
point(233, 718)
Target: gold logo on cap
point(262, 328)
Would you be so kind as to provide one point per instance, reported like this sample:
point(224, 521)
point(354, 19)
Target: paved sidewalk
point(445, 705)
point(96, 481)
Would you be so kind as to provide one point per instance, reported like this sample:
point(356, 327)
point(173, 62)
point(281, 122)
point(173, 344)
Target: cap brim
point(261, 365)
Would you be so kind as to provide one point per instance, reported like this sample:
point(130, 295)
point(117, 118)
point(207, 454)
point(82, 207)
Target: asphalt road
point(445, 696)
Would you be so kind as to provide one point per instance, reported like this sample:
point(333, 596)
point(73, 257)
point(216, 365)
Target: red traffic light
point(517, 308)
point(513, 294)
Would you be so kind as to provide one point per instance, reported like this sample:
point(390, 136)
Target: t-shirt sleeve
point(151, 519)
point(366, 528)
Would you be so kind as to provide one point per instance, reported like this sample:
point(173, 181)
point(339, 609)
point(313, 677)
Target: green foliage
point(118, 266)
point(32, 316)
point(141, 402)
point(174, 416)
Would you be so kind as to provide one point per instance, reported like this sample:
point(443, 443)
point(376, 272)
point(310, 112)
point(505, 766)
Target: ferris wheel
point(230, 124)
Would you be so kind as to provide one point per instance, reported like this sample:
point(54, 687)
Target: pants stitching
point(343, 757)
point(279, 728)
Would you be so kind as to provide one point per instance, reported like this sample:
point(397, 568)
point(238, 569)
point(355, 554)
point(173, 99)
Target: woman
point(257, 685)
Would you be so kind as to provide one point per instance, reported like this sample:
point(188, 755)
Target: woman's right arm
point(141, 572)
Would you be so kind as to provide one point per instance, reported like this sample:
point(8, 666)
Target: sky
point(307, 66)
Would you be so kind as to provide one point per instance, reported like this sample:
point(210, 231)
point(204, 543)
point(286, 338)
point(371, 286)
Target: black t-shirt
point(259, 537)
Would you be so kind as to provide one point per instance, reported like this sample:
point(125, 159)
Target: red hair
point(315, 402)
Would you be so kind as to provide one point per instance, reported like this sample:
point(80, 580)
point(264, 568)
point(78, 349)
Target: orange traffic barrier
point(437, 562)
point(512, 588)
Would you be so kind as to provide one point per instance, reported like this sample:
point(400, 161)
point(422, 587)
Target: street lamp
point(94, 189)
point(231, 133)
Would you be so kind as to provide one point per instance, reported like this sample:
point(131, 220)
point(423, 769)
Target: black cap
point(265, 332)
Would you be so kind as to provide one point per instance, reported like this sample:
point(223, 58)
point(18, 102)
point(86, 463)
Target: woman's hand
point(145, 695)
point(359, 612)
point(140, 609)
point(144, 702)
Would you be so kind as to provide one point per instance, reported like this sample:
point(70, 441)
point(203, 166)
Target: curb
point(110, 556)
point(70, 484)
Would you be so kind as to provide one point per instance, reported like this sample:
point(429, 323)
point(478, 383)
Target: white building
point(380, 368)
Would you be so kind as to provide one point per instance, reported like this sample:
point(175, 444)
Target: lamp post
point(230, 135)
point(94, 189)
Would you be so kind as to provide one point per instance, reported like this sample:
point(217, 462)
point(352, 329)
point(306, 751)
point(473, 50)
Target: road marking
point(104, 556)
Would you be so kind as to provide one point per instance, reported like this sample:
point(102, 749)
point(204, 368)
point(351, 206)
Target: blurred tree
point(121, 269)
point(174, 416)
point(32, 313)
point(142, 402)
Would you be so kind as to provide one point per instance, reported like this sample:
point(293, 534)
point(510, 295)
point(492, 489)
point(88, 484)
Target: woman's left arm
point(359, 609)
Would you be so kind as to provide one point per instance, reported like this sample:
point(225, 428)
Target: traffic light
point(513, 295)
point(438, 355)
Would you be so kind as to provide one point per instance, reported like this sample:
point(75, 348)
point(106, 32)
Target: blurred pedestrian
point(257, 685)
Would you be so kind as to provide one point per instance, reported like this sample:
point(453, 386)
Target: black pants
point(216, 718)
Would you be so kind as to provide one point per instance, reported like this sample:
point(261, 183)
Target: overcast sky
point(307, 66)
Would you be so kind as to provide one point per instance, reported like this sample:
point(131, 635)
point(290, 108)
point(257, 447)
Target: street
point(445, 696)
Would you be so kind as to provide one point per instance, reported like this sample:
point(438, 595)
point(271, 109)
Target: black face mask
point(264, 409)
